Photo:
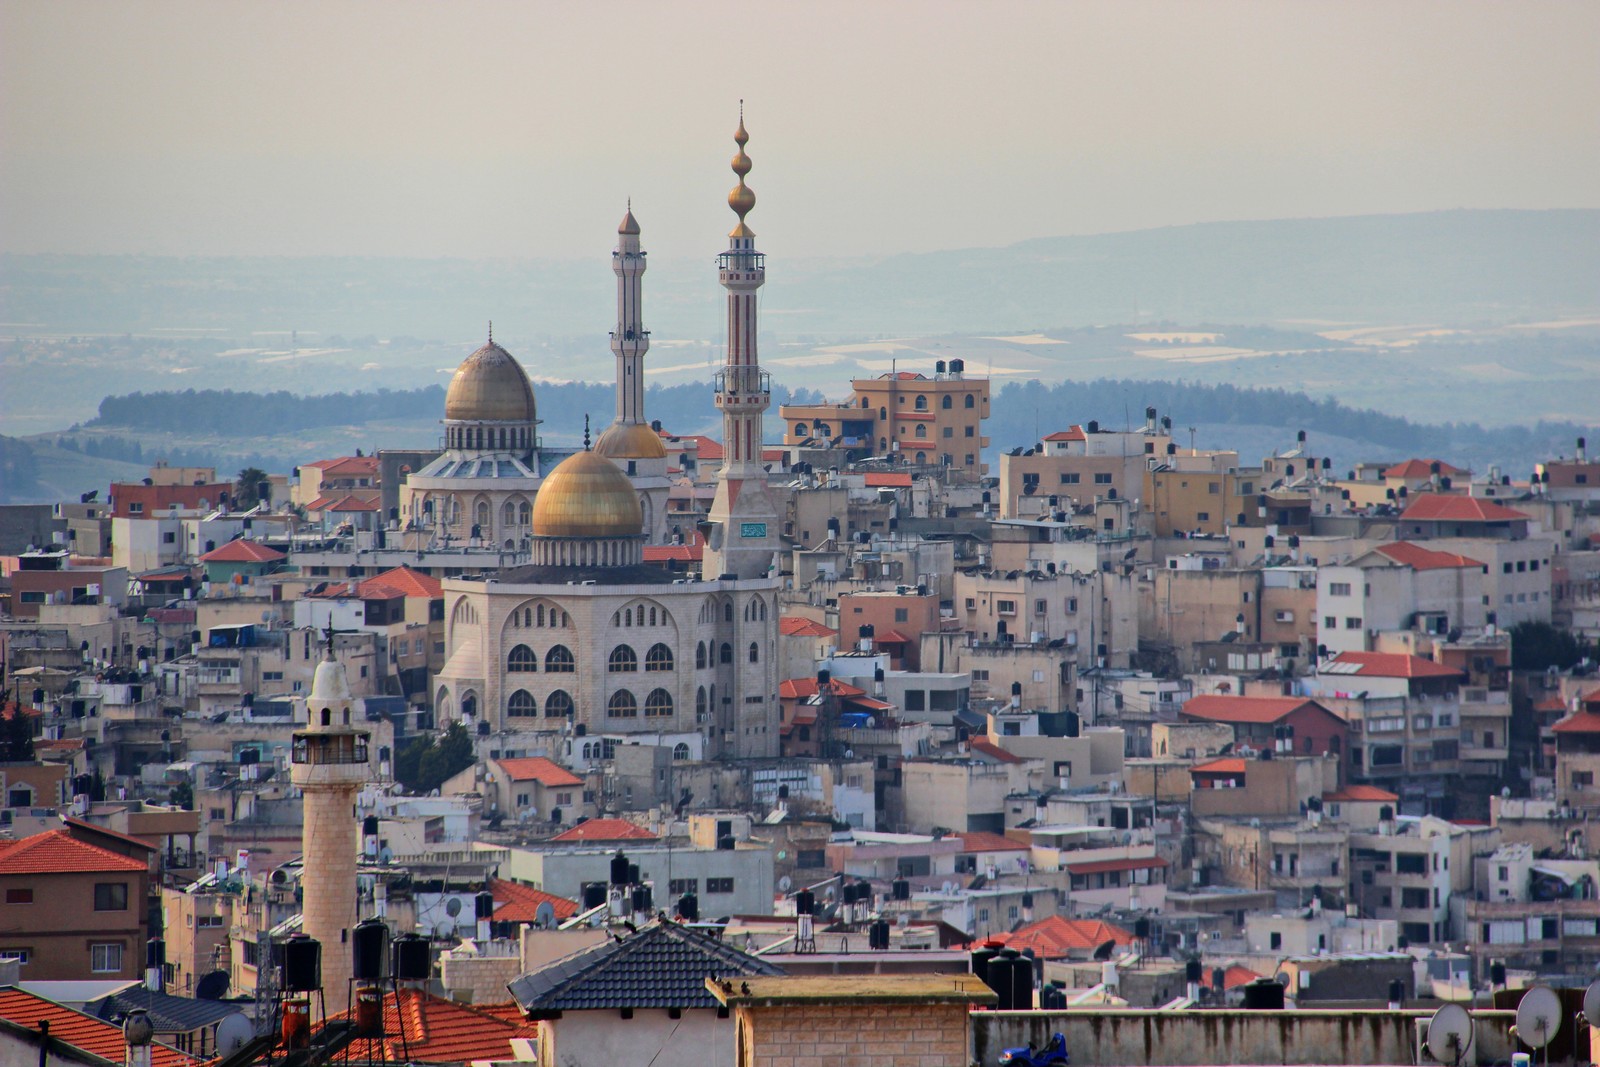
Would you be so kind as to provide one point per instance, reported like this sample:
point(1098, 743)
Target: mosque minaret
point(743, 540)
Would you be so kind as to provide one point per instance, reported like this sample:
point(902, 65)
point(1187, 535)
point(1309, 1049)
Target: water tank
point(1497, 973)
point(1022, 984)
point(411, 960)
point(726, 843)
point(483, 905)
point(642, 898)
point(594, 895)
point(805, 902)
point(302, 964)
point(1002, 978)
point(902, 889)
point(878, 935)
point(619, 869)
point(1263, 994)
point(981, 956)
point(633, 874)
point(370, 945)
point(689, 907)
point(1141, 928)
point(155, 953)
point(1193, 971)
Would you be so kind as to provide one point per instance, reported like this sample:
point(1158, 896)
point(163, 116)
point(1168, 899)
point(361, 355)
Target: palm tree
point(247, 488)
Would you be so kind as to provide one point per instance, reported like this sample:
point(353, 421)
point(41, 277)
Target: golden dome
point(741, 197)
point(629, 225)
point(490, 386)
point(587, 496)
point(630, 440)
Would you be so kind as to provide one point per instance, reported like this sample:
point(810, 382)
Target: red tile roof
point(1425, 559)
point(994, 751)
point(1108, 866)
point(518, 903)
point(795, 626)
point(705, 447)
point(1547, 704)
point(1437, 507)
point(1583, 722)
point(94, 1036)
point(58, 852)
point(605, 830)
point(888, 480)
point(1369, 794)
point(436, 1030)
point(1226, 765)
point(1217, 707)
point(674, 553)
point(1389, 665)
point(1074, 434)
point(1057, 936)
point(1421, 468)
point(348, 502)
point(1233, 977)
point(984, 841)
point(538, 769)
point(242, 551)
point(346, 465)
point(805, 688)
point(903, 376)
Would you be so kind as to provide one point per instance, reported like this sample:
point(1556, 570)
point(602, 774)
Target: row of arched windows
point(527, 618)
point(641, 615)
point(623, 658)
point(624, 705)
point(524, 705)
point(489, 437)
point(755, 611)
point(524, 660)
point(702, 654)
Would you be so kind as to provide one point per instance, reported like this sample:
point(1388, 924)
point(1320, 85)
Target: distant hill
point(1451, 266)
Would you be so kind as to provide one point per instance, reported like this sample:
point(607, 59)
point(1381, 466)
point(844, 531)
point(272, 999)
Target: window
point(623, 659)
point(522, 705)
point(21, 955)
point(679, 886)
point(725, 653)
point(521, 660)
point(1410, 863)
point(1102, 478)
point(1338, 588)
point(1005, 607)
point(622, 705)
point(1413, 898)
point(1213, 488)
point(680, 751)
point(1070, 478)
point(755, 652)
point(1202, 516)
point(1276, 940)
point(969, 401)
point(111, 896)
point(1330, 622)
point(19, 896)
point(105, 958)
point(559, 660)
point(922, 403)
point(969, 432)
point(1582, 779)
point(558, 705)
point(205, 921)
point(659, 658)
point(949, 431)
point(946, 402)
point(1352, 623)
point(719, 885)
point(700, 656)
point(658, 704)
point(902, 615)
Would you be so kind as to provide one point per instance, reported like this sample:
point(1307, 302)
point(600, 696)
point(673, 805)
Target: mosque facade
point(585, 646)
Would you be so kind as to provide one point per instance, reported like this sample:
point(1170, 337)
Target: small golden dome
point(629, 225)
point(587, 496)
point(741, 198)
point(490, 386)
point(630, 440)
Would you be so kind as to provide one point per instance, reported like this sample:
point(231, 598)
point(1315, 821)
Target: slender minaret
point(630, 340)
point(743, 538)
point(329, 767)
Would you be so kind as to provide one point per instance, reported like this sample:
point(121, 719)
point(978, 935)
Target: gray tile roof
point(168, 1013)
point(664, 965)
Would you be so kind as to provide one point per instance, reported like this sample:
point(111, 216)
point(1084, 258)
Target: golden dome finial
point(629, 225)
point(586, 431)
point(491, 331)
point(741, 198)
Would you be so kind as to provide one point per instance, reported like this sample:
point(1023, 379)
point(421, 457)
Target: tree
point(1538, 646)
point(247, 488)
point(181, 796)
point(16, 737)
point(424, 765)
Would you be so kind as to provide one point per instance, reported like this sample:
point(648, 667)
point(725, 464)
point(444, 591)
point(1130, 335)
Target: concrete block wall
point(867, 1035)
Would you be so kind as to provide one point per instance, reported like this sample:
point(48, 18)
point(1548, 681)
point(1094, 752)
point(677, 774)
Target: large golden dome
point(587, 496)
point(630, 440)
point(490, 386)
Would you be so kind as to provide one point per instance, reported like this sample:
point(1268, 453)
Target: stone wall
point(865, 1035)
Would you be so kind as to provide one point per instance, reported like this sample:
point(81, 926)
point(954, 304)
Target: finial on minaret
point(586, 431)
point(741, 198)
point(491, 331)
point(328, 632)
point(630, 225)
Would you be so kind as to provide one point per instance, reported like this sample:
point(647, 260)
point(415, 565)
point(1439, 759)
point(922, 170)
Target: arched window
point(800, 429)
point(541, 614)
point(658, 704)
point(659, 658)
point(588, 750)
point(755, 652)
point(327, 716)
point(522, 659)
point(726, 655)
point(558, 705)
point(866, 402)
point(700, 704)
point(559, 660)
point(922, 457)
point(508, 514)
point(883, 444)
point(524, 513)
point(652, 616)
point(883, 414)
point(627, 617)
point(971, 403)
point(700, 656)
point(921, 404)
point(947, 403)
point(527, 616)
point(680, 751)
point(522, 705)
point(622, 706)
point(922, 431)
point(483, 513)
point(727, 611)
point(622, 659)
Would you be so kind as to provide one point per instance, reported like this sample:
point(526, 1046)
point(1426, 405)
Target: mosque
point(586, 646)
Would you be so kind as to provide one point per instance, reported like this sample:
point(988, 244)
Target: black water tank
point(409, 952)
point(1141, 928)
point(1192, 971)
point(633, 874)
point(1219, 981)
point(1022, 984)
point(155, 953)
point(1397, 991)
point(878, 935)
point(805, 902)
point(302, 964)
point(902, 889)
point(642, 898)
point(981, 956)
point(483, 905)
point(1497, 973)
point(370, 945)
point(863, 893)
point(1263, 995)
point(369, 826)
point(726, 842)
point(689, 907)
point(619, 869)
point(1002, 978)
point(594, 895)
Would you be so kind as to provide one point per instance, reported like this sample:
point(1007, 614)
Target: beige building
point(1079, 466)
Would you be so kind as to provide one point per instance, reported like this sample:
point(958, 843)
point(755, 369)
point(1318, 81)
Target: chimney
point(136, 1036)
point(155, 959)
point(1583, 450)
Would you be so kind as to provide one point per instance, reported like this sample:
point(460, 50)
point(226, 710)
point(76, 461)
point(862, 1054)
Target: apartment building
point(1080, 465)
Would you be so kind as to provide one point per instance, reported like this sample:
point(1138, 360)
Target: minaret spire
point(630, 340)
point(742, 508)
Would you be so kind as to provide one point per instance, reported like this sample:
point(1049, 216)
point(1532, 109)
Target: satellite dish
point(213, 986)
point(1282, 978)
point(452, 907)
point(1538, 1016)
point(1591, 1004)
point(785, 884)
point(233, 1033)
point(544, 916)
point(1450, 1034)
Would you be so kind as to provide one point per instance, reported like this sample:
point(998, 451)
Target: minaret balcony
point(741, 261)
point(742, 385)
point(330, 749)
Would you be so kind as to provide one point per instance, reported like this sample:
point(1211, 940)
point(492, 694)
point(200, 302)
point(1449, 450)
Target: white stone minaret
point(743, 536)
point(330, 765)
point(630, 340)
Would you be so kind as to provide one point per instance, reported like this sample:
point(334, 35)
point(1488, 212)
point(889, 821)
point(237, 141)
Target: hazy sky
point(520, 128)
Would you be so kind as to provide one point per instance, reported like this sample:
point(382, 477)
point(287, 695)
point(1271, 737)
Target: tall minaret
point(630, 340)
point(743, 538)
point(330, 766)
